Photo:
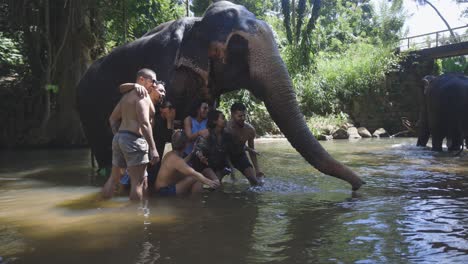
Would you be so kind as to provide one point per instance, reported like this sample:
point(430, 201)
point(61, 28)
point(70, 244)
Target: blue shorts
point(167, 191)
point(125, 179)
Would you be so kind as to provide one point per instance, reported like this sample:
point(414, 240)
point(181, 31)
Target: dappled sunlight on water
point(413, 209)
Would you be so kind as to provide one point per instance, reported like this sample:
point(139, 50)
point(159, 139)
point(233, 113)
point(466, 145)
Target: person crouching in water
point(212, 150)
point(175, 176)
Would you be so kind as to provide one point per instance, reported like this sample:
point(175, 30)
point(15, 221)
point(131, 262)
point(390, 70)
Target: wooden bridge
point(439, 44)
point(404, 87)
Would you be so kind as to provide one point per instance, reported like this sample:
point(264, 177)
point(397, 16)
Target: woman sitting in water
point(212, 149)
point(195, 123)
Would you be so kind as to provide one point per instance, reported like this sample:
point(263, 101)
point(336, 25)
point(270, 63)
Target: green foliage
point(453, 64)
point(198, 7)
point(298, 23)
point(10, 54)
point(390, 19)
point(127, 20)
point(326, 125)
point(52, 88)
point(340, 77)
point(257, 114)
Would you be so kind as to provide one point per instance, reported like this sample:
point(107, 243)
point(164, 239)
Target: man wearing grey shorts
point(133, 145)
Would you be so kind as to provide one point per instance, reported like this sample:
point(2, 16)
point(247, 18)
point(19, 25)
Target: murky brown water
point(414, 209)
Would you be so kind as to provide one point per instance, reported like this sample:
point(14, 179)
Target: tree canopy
point(39, 39)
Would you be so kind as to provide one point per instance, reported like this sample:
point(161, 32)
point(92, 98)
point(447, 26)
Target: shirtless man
point(133, 136)
point(241, 133)
point(163, 123)
point(175, 176)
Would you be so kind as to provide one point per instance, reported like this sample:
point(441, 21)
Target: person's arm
point(188, 129)
point(200, 148)
point(170, 116)
point(195, 151)
point(115, 118)
point(253, 154)
point(143, 117)
point(185, 169)
point(127, 87)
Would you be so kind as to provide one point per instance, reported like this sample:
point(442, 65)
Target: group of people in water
point(203, 152)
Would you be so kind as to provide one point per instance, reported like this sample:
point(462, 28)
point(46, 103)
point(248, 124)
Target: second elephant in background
point(444, 111)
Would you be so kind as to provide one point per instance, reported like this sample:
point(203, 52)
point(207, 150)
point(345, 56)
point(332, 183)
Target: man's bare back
point(128, 104)
point(170, 171)
point(175, 175)
point(133, 136)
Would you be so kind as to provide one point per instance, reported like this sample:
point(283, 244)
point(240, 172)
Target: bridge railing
point(434, 39)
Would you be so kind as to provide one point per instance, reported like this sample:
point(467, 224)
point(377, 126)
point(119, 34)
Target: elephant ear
point(193, 52)
point(427, 82)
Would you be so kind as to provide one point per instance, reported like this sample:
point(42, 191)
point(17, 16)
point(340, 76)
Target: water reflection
point(413, 210)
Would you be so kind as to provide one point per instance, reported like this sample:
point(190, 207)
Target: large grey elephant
point(226, 49)
point(443, 111)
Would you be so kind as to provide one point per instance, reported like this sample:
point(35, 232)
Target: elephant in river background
point(444, 111)
point(226, 49)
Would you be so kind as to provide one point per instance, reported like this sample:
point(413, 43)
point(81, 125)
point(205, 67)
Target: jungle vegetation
point(334, 50)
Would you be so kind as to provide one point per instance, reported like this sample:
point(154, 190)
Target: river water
point(413, 209)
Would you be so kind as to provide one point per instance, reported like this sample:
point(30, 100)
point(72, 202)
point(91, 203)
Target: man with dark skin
point(242, 133)
point(131, 123)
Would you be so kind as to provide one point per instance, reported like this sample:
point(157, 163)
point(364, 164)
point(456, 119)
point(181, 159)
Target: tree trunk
point(65, 126)
point(443, 19)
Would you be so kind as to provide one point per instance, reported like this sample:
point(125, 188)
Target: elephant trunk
point(271, 82)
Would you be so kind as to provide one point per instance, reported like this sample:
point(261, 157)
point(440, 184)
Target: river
point(413, 209)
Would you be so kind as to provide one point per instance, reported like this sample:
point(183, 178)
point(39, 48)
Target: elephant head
point(423, 124)
point(226, 49)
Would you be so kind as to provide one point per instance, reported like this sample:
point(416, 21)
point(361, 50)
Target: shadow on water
point(413, 209)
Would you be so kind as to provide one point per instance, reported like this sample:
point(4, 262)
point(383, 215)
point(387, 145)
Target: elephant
point(443, 111)
point(201, 58)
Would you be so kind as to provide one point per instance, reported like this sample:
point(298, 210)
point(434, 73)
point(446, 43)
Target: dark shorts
point(199, 166)
point(241, 162)
point(167, 191)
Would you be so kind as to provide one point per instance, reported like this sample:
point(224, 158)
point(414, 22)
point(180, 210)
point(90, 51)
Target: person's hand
point(260, 174)
point(204, 133)
point(154, 157)
point(177, 124)
point(260, 178)
point(141, 90)
point(213, 184)
point(253, 151)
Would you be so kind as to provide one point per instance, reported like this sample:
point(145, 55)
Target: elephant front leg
point(423, 139)
point(437, 139)
point(423, 134)
point(455, 143)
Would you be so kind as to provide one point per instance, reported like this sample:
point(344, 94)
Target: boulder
point(380, 133)
point(363, 132)
point(325, 137)
point(340, 134)
point(353, 132)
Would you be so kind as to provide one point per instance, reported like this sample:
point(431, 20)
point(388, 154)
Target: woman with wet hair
point(212, 150)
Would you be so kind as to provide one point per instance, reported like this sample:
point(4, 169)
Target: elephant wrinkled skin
point(226, 49)
point(443, 111)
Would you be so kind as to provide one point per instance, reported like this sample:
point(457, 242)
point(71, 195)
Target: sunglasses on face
point(154, 81)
